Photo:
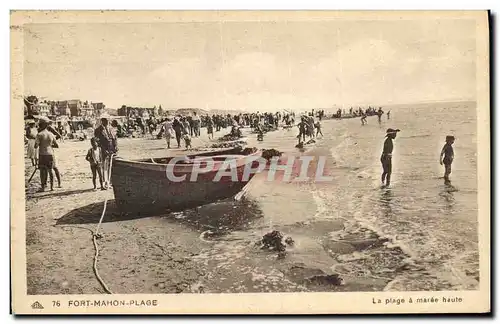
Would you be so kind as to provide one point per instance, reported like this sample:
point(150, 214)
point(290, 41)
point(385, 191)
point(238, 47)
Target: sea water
point(425, 232)
point(433, 223)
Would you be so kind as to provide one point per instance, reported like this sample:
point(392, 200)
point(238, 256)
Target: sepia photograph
point(250, 161)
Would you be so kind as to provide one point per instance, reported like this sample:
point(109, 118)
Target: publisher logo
point(36, 305)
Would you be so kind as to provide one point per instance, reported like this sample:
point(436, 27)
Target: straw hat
point(105, 116)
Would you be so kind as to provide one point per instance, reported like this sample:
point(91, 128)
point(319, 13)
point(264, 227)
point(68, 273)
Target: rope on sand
point(96, 235)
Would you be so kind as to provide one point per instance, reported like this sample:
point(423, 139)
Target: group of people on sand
point(307, 127)
point(104, 145)
point(178, 128)
point(445, 158)
point(42, 140)
point(379, 113)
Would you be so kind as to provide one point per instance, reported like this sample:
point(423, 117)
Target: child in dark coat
point(95, 159)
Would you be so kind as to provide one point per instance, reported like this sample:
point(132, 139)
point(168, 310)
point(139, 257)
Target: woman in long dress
point(168, 130)
point(32, 153)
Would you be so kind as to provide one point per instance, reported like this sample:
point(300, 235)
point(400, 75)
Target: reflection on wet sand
point(386, 197)
point(447, 195)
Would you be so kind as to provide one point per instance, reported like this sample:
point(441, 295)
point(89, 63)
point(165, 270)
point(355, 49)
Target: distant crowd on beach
point(192, 124)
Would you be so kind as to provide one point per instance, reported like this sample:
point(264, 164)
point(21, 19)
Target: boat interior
point(221, 155)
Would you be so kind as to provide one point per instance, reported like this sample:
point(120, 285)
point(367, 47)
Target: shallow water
point(426, 232)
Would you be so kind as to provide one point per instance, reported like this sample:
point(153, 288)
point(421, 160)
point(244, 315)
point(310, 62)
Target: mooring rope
point(96, 235)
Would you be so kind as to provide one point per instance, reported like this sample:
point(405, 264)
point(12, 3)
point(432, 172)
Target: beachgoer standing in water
point(363, 118)
point(380, 112)
point(386, 158)
point(388, 115)
point(449, 155)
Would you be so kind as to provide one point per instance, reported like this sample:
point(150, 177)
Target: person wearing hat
point(45, 142)
point(386, 158)
point(448, 154)
point(108, 144)
point(32, 152)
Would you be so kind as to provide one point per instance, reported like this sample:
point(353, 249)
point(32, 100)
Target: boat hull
point(143, 187)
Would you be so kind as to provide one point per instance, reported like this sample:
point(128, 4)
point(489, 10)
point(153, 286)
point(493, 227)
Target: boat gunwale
point(188, 168)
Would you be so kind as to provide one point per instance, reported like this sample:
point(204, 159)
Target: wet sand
point(211, 248)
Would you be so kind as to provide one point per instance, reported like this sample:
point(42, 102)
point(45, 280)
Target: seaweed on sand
point(268, 154)
point(273, 241)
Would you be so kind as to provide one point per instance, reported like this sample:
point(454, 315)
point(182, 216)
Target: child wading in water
point(448, 154)
point(386, 158)
point(363, 119)
point(95, 159)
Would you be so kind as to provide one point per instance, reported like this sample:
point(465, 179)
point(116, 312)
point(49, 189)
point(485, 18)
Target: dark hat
point(390, 131)
point(44, 120)
point(450, 137)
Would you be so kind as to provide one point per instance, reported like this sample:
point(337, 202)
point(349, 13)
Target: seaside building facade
point(75, 107)
point(87, 110)
point(98, 107)
point(69, 108)
point(136, 111)
point(43, 109)
point(63, 108)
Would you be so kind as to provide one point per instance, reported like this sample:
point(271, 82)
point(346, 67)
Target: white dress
point(32, 151)
point(168, 130)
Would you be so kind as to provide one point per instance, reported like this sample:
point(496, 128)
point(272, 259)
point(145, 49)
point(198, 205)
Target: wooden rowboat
point(142, 186)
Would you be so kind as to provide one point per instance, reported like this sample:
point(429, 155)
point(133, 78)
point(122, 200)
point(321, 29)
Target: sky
point(252, 66)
